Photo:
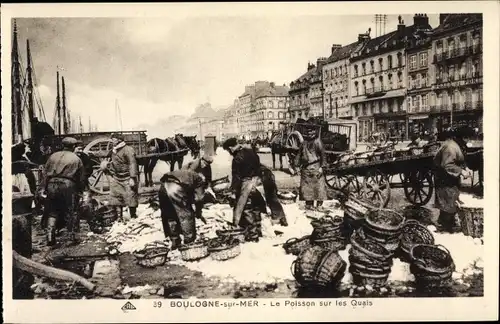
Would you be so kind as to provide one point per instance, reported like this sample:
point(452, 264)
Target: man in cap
point(311, 159)
point(179, 190)
point(63, 181)
point(245, 171)
point(124, 186)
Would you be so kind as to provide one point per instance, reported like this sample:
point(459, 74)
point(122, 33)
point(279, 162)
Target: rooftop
point(450, 22)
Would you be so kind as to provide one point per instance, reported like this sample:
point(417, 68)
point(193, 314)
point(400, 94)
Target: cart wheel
point(376, 187)
point(419, 187)
point(99, 182)
point(294, 139)
point(348, 184)
point(403, 176)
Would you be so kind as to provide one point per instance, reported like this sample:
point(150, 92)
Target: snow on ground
point(266, 261)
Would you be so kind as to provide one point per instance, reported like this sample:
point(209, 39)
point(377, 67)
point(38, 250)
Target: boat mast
point(58, 107)
point(17, 116)
point(65, 114)
point(31, 109)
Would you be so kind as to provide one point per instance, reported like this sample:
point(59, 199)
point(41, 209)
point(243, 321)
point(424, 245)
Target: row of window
point(381, 66)
point(459, 41)
point(367, 87)
point(335, 72)
point(260, 116)
point(418, 61)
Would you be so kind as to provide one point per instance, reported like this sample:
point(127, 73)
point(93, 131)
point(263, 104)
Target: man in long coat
point(124, 172)
point(450, 166)
point(63, 181)
point(179, 191)
point(245, 172)
point(311, 160)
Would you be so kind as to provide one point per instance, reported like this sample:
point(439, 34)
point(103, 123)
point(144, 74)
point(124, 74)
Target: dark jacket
point(246, 164)
point(124, 163)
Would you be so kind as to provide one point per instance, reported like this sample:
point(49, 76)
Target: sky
point(156, 67)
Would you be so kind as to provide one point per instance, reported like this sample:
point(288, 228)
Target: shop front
point(419, 124)
point(472, 119)
point(393, 123)
point(366, 128)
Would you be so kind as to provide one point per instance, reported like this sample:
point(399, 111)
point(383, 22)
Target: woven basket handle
point(293, 269)
point(412, 256)
point(291, 240)
point(441, 247)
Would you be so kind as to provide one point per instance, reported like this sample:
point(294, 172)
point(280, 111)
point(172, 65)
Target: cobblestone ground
point(172, 281)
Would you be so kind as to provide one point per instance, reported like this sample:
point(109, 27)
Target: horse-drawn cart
point(370, 175)
point(98, 146)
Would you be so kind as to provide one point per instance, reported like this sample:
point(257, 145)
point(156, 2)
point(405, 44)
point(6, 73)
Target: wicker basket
point(431, 260)
point(107, 216)
point(331, 244)
point(329, 268)
point(152, 255)
point(362, 258)
point(368, 268)
point(194, 251)
point(414, 233)
point(426, 281)
point(368, 247)
point(362, 279)
point(225, 252)
point(384, 222)
point(236, 234)
point(304, 267)
point(471, 221)
point(296, 245)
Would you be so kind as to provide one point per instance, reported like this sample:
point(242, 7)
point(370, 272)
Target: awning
point(390, 94)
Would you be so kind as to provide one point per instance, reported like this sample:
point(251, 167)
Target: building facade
point(230, 121)
point(316, 90)
point(419, 69)
point(261, 108)
point(298, 95)
point(379, 79)
point(336, 79)
point(457, 79)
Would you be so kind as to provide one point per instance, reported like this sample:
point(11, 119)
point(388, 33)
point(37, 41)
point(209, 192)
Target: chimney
point(335, 47)
point(310, 66)
point(401, 24)
point(321, 61)
point(363, 37)
point(420, 20)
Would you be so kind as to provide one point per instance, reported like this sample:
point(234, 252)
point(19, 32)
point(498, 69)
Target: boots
point(133, 212)
point(51, 231)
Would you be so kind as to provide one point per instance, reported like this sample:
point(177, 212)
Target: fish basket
point(431, 260)
point(414, 233)
point(304, 267)
point(425, 281)
point(330, 270)
point(193, 251)
point(107, 216)
point(416, 151)
point(390, 243)
point(152, 255)
point(362, 258)
point(331, 244)
point(296, 245)
point(287, 199)
point(226, 252)
point(237, 234)
point(471, 221)
point(368, 268)
point(384, 222)
point(360, 278)
point(369, 247)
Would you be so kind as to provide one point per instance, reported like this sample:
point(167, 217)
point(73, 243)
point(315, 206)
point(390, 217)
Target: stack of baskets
point(222, 249)
point(318, 268)
point(432, 266)
point(384, 226)
point(354, 214)
point(370, 262)
point(329, 233)
point(194, 251)
point(413, 233)
point(295, 246)
point(152, 255)
point(471, 221)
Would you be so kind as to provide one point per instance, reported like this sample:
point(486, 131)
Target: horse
point(194, 146)
point(158, 146)
point(275, 143)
